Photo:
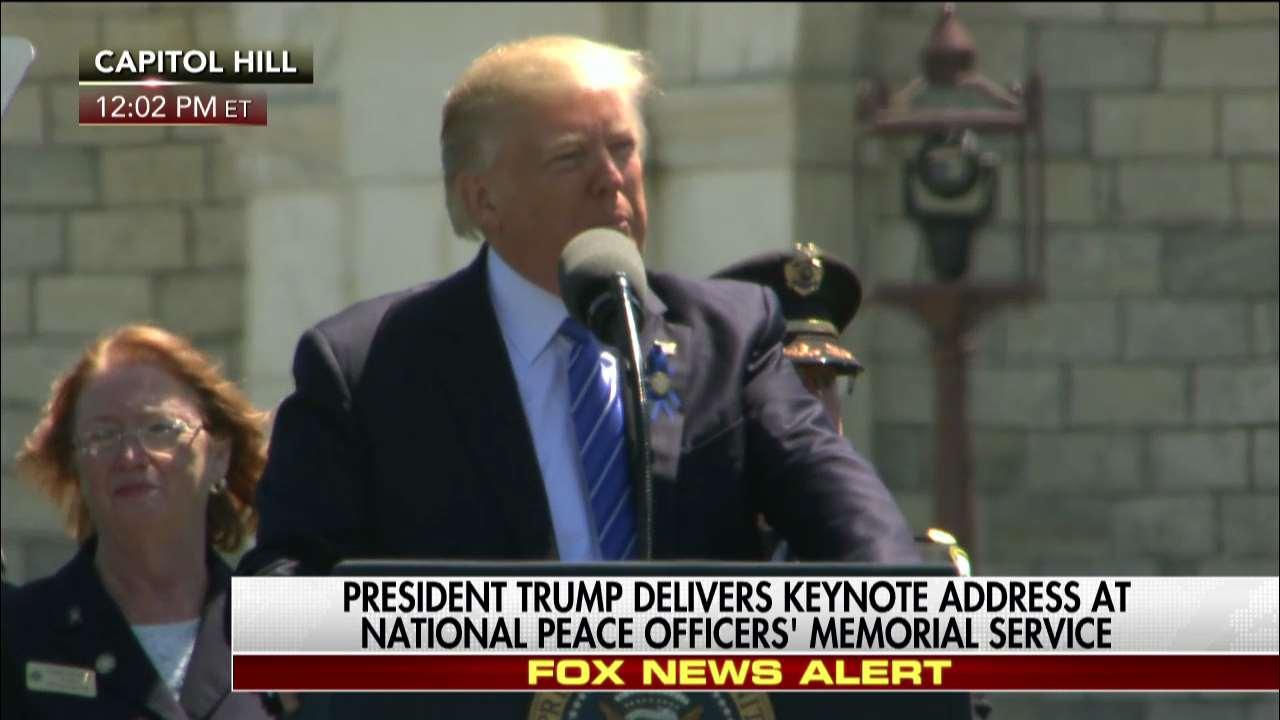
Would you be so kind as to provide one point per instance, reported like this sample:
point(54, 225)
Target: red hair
point(47, 457)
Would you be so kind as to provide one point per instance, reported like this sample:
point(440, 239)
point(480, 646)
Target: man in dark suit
point(417, 428)
point(443, 421)
point(819, 294)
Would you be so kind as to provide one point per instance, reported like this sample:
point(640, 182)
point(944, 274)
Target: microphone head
point(588, 264)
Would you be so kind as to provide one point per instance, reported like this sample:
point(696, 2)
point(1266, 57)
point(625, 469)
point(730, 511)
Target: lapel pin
point(660, 383)
point(663, 399)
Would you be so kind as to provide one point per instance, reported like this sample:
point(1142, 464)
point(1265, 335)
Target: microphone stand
point(636, 410)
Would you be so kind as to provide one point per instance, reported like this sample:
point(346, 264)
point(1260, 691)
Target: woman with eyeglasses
point(152, 456)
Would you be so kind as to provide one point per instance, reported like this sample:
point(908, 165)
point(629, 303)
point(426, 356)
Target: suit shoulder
point(710, 299)
point(362, 319)
point(23, 603)
point(428, 302)
point(344, 340)
point(26, 596)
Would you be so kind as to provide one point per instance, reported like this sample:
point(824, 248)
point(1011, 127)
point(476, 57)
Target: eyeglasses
point(160, 436)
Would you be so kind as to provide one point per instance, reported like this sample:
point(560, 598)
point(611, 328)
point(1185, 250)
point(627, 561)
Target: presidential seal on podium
point(651, 706)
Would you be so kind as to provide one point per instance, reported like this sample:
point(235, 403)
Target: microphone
point(589, 268)
point(601, 280)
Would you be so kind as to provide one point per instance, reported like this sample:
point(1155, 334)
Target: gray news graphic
point(17, 54)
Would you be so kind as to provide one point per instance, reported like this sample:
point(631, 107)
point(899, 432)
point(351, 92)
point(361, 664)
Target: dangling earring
point(218, 486)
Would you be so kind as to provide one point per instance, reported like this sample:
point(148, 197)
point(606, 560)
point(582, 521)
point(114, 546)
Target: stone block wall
point(102, 227)
point(1126, 422)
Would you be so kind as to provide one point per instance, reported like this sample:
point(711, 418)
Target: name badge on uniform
point(65, 679)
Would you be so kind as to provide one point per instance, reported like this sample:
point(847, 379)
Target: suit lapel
point(666, 417)
point(93, 628)
point(208, 681)
point(477, 376)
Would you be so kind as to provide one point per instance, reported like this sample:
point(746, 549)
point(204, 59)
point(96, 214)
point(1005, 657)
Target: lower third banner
point(777, 672)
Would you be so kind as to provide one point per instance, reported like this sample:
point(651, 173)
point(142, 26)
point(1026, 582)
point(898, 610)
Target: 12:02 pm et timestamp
point(171, 106)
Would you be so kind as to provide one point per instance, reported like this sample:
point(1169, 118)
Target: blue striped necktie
point(595, 403)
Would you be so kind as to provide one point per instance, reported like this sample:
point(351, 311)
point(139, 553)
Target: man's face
point(567, 165)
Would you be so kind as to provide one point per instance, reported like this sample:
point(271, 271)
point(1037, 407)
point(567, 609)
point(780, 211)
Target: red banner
point(825, 673)
point(171, 105)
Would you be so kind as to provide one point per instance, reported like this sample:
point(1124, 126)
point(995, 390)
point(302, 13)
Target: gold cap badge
point(804, 271)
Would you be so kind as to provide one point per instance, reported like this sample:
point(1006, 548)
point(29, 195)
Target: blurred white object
point(16, 54)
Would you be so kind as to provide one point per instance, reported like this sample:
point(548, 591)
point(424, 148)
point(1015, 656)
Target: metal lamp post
point(950, 187)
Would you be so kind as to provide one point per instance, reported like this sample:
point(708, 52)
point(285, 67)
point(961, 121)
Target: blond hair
point(510, 76)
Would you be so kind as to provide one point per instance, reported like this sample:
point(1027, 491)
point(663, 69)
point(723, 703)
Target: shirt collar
point(528, 315)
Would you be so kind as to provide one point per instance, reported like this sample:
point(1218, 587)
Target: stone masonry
point(101, 227)
point(1127, 424)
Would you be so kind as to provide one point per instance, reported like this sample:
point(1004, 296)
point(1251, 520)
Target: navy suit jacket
point(405, 438)
point(69, 619)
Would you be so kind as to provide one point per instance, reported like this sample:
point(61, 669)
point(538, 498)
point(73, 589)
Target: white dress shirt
point(530, 319)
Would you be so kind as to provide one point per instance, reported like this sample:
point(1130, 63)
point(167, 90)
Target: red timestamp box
point(171, 105)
